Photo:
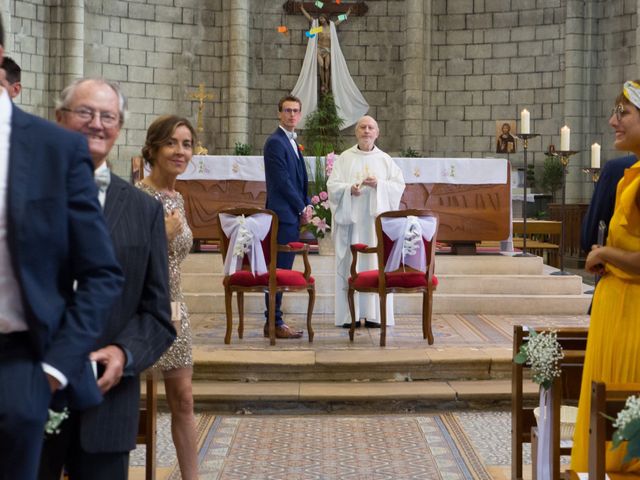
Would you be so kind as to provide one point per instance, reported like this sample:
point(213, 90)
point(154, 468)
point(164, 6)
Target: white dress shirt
point(11, 312)
point(12, 317)
point(292, 140)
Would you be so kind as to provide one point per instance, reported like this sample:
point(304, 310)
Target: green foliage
point(531, 176)
point(552, 173)
point(410, 153)
point(242, 149)
point(322, 128)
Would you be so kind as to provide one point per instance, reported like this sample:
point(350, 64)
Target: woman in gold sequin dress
point(168, 149)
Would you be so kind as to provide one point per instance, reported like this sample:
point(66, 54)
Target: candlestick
point(525, 147)
point(565, 134)
point(525, 126)
point(595, 155)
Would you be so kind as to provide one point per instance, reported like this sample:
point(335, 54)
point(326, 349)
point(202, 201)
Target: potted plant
point(322, 138)
point(552, 175)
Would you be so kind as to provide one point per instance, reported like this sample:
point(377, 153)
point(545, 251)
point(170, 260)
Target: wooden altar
point(469, 213)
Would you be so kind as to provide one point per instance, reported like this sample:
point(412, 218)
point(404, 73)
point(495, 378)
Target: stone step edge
point(295, 391)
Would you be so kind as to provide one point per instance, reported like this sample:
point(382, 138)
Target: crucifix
point(201, 96)
point(328, 7)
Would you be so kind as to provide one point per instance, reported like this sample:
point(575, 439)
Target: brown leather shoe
point(284, 331)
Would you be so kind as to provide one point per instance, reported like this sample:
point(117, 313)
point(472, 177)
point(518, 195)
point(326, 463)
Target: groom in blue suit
point(52, 232)
point(287, 182)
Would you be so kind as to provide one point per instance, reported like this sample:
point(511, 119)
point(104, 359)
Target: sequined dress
point(179, 354)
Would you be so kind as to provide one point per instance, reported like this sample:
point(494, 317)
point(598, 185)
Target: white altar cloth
point(459, 171)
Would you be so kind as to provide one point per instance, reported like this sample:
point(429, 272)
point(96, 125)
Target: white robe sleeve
point(389, 190)
point(339, 189)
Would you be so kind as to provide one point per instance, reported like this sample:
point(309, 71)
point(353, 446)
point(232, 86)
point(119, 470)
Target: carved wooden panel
point(468, 213)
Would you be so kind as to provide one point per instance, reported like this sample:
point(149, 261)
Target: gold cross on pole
point(201, 96)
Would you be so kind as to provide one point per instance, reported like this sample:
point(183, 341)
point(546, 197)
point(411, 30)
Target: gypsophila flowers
point(543, 354)
point(243, 239)
point(52, 427)
point(627, 424)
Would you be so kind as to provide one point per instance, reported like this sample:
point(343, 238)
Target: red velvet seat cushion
point(291, 278)
point(394, 280)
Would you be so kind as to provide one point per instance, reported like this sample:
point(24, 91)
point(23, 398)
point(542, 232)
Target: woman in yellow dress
point(613, 346)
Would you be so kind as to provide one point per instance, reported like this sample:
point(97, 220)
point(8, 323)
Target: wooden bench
point(566, 388)
point(543, 238)
point(147, 426)
point(606, 399)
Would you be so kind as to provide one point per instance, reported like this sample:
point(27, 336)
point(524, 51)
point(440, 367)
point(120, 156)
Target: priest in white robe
point(364, 182)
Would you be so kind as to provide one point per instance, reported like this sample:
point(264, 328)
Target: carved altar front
point(469, 212)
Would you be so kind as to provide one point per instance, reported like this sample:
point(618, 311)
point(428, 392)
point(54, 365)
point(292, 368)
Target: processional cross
point(201, 96)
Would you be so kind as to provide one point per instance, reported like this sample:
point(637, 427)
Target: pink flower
point(329, 163)
point(325, 205)
point(322, 226)
point(315, 200)
point(323, 196)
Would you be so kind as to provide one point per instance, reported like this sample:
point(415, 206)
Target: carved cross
point(329, 8)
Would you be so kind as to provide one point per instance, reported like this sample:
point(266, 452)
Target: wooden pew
point(607, 399)
point(566, 388)
point(543, 238)
point(147, 427)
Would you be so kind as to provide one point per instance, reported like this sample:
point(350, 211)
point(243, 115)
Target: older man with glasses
point(95, 444)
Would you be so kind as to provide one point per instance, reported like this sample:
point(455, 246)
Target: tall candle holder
point(593, 173)
point(564, 156)
point(594, 176)
point(525, 147)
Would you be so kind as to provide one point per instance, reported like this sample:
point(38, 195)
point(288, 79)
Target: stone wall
point(438, 74)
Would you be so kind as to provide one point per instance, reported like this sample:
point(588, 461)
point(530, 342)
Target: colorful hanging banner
point(315, 30)
point(282, 29)
point(319, 4)
point(309, 34)
point(342, 17)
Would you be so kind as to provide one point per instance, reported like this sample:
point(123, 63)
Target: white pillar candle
point(595, 156)
point(565, 133)
point(525, 126)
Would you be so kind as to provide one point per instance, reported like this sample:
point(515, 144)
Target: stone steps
point(479, 284)
point(349, 396)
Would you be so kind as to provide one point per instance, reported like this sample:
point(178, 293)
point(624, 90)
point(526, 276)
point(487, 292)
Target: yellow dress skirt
point(613, 345)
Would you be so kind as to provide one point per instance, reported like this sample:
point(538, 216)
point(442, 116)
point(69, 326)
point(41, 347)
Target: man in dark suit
point(286, 178)
point(52, 233)
point(95, 444)
point(603, 200)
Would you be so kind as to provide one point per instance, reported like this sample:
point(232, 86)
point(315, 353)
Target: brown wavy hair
point(160, 132)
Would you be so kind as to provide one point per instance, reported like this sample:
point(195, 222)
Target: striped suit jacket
point(140, 321)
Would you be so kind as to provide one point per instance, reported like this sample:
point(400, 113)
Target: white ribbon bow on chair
point(245, 236)
point(407, 234)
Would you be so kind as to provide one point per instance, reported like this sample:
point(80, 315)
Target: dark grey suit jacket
point(140, 321)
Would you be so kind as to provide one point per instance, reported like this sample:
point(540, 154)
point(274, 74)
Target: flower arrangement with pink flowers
point(320, 222)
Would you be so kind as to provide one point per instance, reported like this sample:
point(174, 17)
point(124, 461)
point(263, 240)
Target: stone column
point(72, 40)
point(413, 75)
point(580, 89)
point(238, 72)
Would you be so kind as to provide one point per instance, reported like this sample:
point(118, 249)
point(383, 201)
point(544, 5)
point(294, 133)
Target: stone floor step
point(448, 283)
point(555, 304)
point(494, 264)
point(345, 364)
point(238, 395)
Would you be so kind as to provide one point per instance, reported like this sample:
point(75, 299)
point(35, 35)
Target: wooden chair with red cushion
point(409, 276)
point(245, 275)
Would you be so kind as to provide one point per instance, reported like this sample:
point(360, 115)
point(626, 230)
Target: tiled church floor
point(469, 435)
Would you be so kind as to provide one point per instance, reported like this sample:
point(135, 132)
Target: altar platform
point(468, 365)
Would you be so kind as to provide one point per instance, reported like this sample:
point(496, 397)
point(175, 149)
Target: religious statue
point(323, 51)
point(324, 47)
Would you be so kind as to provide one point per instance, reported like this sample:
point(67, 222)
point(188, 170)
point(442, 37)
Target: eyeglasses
point(618, 110)
point(108, 119)
point(295, 111)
